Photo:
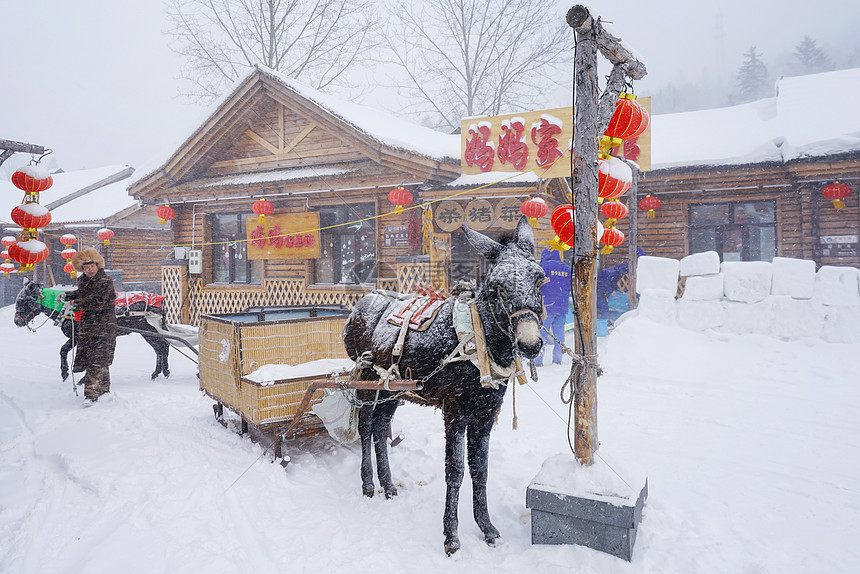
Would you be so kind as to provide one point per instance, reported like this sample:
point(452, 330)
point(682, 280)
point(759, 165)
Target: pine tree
point(810, 59)
point(752, 78)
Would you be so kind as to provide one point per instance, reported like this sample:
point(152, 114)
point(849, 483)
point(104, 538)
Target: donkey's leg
point(162, 351)
point(382, 415)
point(455, 428)
point(157, 345)
point(478, 448)
point(64, 359)
point(365, 432)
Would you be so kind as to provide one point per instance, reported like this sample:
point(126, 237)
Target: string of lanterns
point(26, 249)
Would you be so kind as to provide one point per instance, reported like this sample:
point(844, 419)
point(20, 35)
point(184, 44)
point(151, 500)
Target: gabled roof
point(810, 116)
point(379, 136)
point(83, 196)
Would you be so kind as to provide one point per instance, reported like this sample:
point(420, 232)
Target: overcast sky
point(96, 81)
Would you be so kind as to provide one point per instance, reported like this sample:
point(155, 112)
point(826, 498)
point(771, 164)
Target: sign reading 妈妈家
point(285, 236)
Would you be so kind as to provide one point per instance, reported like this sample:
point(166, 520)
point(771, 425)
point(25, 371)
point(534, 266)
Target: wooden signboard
point(286, 236)
point(535, 140)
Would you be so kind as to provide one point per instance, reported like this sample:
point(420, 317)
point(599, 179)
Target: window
point(743, 231)
point(230, 263)
point(347, 252)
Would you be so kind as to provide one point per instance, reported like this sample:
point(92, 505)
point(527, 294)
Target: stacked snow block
point(785, 298)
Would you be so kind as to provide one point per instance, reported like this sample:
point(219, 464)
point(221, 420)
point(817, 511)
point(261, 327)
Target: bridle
point(502, 296)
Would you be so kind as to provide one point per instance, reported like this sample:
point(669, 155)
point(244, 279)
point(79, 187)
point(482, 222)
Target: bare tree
point(315, 41)
point(471, 57)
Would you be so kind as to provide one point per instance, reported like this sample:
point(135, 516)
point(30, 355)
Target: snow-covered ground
point(751, 447)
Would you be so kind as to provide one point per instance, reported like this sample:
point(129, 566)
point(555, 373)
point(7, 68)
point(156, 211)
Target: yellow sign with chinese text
point(285, 236)
point(537, 140)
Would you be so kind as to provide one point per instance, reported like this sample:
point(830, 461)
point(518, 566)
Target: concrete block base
point(590, 506)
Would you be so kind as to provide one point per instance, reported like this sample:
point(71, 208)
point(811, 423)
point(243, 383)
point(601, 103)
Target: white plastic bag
point(338, 414)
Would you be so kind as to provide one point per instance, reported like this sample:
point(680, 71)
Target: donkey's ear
point(487, 247)
point(526, 237)
point(26, 281)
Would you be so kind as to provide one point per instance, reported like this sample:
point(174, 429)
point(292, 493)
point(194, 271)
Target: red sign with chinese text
point(284, 236)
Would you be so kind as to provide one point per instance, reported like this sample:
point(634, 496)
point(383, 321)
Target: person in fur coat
point(96, 332)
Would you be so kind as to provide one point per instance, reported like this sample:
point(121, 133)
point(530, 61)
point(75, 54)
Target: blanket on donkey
point(420, 311)
point(125, 301)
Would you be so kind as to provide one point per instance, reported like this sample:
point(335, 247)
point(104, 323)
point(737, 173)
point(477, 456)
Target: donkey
point(28, 305)
point(509, 304)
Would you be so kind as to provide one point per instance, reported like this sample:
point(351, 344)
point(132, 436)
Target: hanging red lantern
point(563, 224)
point(70, 269)
point(650, 203)
point(31, 215)
point(629, 120)
point(7, 268)
point(262, 207)
point(165, 213)
point(4, 255)
point(105, 235)
point(399, 197)
point(28, 253)
point(836, 192)
point(614, 177)
point(67, 254)
point(32, 179)
point(8, 241)
point(534, 208)
point(613, 210)
point(68, 239)
point(611, 238)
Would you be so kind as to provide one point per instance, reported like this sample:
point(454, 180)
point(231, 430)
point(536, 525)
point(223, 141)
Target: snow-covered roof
point(809, 116)
point(95, 205)
point(273, 176)
point(382, 126)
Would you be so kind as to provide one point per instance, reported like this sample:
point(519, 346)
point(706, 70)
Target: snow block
point(793, 277)
point(747, 318)
point(841, 324)
point(657, 273)
point(794, 318)
point(704, 288)
point(746, 281)
point(658, 305)
point(706, 263)
point(599, 511)
point(700, 315)
point(838, 286)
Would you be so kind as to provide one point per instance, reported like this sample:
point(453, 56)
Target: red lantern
point(629, 120)
point(31, 215)
point(262, 207)
point(67, 254)
point(165, 213)
point(70, 269)
point(32, 179)
point(4, 255)
point(836, 192)
point(8, 241)
point(28, 253)
point(614, 177)
point(68, 239)
point(105, 235)
point(651, 203)
point(399, 197)
point(613, 210)
point(534, 209)
point(7, 268)
point(563, 224)
point(611, 238)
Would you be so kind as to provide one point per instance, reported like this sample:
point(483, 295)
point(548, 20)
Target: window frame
point(253, 269)
point(333, 237)
point(720, 231)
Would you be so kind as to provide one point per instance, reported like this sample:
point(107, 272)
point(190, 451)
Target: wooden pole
point(591, 119)
point(633, 240)
point(9, 147)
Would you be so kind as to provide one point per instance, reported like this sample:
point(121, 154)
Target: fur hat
point(87, 255)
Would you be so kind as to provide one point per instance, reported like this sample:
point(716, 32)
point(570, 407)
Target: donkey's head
point(511, 288)
point(27, 303)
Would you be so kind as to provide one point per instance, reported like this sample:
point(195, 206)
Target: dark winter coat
point(556, 293)
point(96, 332)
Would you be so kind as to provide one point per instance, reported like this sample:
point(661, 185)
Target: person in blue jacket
point(556, 301)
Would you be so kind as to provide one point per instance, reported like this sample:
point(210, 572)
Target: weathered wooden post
point(569, 513)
